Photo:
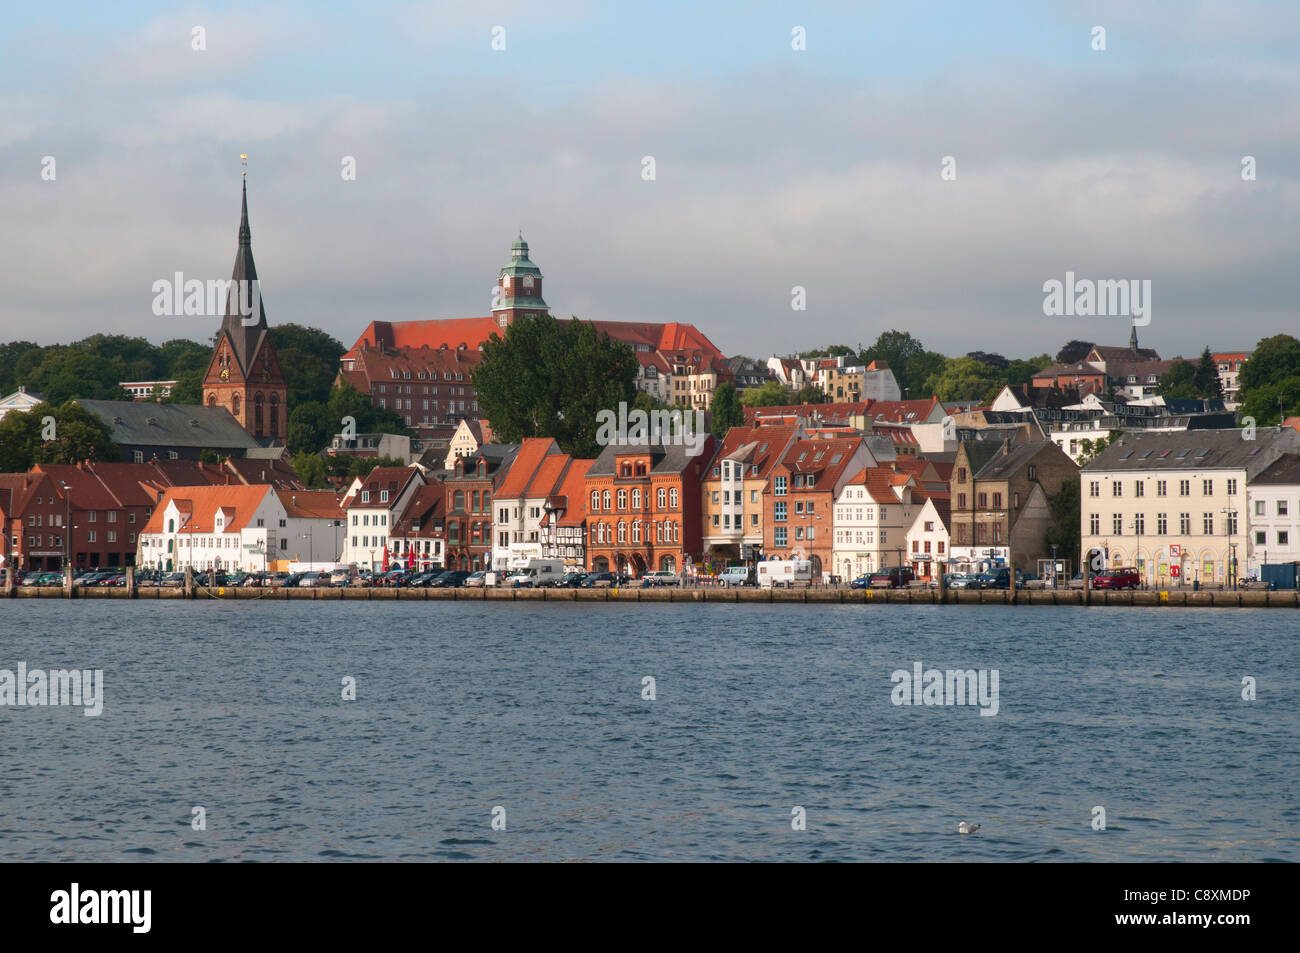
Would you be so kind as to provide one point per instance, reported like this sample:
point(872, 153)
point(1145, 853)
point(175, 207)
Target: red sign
point(1173, 570)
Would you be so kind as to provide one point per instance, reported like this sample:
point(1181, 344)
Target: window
point(778, 536)
point(1094, 488)
point(1117, 524)
point(1162, 524)
point(997, 501)
point(1207, 488)
point(636, 499)
point(1207, 524)
point(1139, 489)
point(1139, 524)
point(1161, 487)
point(753, 496)
point(1185, 524)
point(595, 500)
point(1282, 537)
point(672, 498)
point(365, 496)
point(1094, 524)
point(1261, 537)
point(1117, 488)
point(1232, 522)
point(1232, 488)
point(778, 512)
point(383, 496)
point(982, 501)
point(606, 498)
point(1281, 507)
point(798, 507)
point(622, 499)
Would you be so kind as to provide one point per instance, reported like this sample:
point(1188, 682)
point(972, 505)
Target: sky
point(775, 168)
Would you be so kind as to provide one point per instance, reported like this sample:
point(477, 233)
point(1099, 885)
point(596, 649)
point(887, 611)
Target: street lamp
point(67, 524)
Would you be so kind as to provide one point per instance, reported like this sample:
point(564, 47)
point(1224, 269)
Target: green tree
point(1073, 352)
point(810, 394)
point(727, 409)
point(66, 373)
point(10, 354)
point(1272, 373)
point(547, 379)
point(77, 435)
point(1063, 528)
point(920, 369)
point(1207, 376)
point(897, 349)
point(1091, 449)
point(771, 394)
point(311, 470)
point(309, 359)
point(310, 428)
point(965, 378)
point(1179, 381)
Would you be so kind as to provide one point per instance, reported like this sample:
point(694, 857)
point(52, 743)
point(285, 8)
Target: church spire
point(244, 327)
point(1133, 339)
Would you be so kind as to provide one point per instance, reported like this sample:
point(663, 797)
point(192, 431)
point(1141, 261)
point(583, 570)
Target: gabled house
point(373, 506)
point(732, 488)
point(873, 512)
point(929, 537)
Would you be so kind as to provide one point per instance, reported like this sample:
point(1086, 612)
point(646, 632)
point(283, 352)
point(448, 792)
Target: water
point(236, 707)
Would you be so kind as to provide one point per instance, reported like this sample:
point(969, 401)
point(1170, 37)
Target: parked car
point(50, 579)
point(571, 580)
point(475, 579)
point(600, 580)
point(1125, 578)
point(173, 580)
point(315, 580)
point(449, 579)
point(861, 582)
point(660, 577)
point(894, 577)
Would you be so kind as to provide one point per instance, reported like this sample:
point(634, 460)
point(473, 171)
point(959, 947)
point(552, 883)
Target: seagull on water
point(964, 828)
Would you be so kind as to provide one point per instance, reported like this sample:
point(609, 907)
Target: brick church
point(245, 376)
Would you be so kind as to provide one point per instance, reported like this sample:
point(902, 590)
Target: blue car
point(862, 582)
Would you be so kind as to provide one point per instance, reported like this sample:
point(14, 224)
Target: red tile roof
point(199, 505)
point(532, 451)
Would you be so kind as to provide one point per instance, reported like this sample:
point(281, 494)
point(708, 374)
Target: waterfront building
point(874, 510)
point(373, 506)
point(732, 488)
point(1175, 505)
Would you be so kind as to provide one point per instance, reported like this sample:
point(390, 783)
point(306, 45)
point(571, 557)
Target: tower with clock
point(519, 287)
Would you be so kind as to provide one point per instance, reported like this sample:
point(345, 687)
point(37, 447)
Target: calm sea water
point(461, 708)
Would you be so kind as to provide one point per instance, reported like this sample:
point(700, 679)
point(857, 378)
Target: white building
point(248, 528)
point(928, 539)
point(373, 505)
point(872, 515)
point(1175, 505)
point(1273, 514)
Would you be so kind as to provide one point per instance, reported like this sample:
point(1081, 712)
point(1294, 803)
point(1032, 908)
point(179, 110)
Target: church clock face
point(225, 374)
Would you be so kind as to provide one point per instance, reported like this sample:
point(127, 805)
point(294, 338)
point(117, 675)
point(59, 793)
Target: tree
point(1073, 352)
point(1091, 449)
point(834, 350)
point(309, 359)
point(727, 410)
point(547, 379)
point(811, 394)
point(895, 348)
point(310, 469)
point(10, 354)
point(920, 369)
point(771, 394)
point(993, 360)
point(965, 378)
point(1064, 527)
point(66, 373)
point(1272, 373)
point(1207, 376)
point(1179, 381)
point(1020, 372)
point(346, 401)
point(309, 428)
point(77, 435)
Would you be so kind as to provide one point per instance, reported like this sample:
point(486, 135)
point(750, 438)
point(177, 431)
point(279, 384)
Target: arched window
point(606, 506)
point(662, 498)
point(171, 526)
point(275, 414)
point(659, 530)
point(595, 500)
point(234, 405)
point(622, 499)
point(636, 531)
point(458, 501)
point(257, 414)
point(672, 498)
point(212, 400)
point(622, 532)
point(636, 499)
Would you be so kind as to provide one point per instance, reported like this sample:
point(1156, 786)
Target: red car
point(1126, 578)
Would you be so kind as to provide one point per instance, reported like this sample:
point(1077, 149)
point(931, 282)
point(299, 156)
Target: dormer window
point(383, 496)
point(365, 496)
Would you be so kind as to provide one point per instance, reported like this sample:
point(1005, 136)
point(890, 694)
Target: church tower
point(519, 287)
point(244, 376)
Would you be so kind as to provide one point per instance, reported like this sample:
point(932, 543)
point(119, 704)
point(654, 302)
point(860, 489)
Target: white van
point(784, 573)
point(734, 576)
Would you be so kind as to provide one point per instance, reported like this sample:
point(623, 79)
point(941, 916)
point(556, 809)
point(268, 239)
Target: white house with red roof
point(248, 528)
point(872, 515)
